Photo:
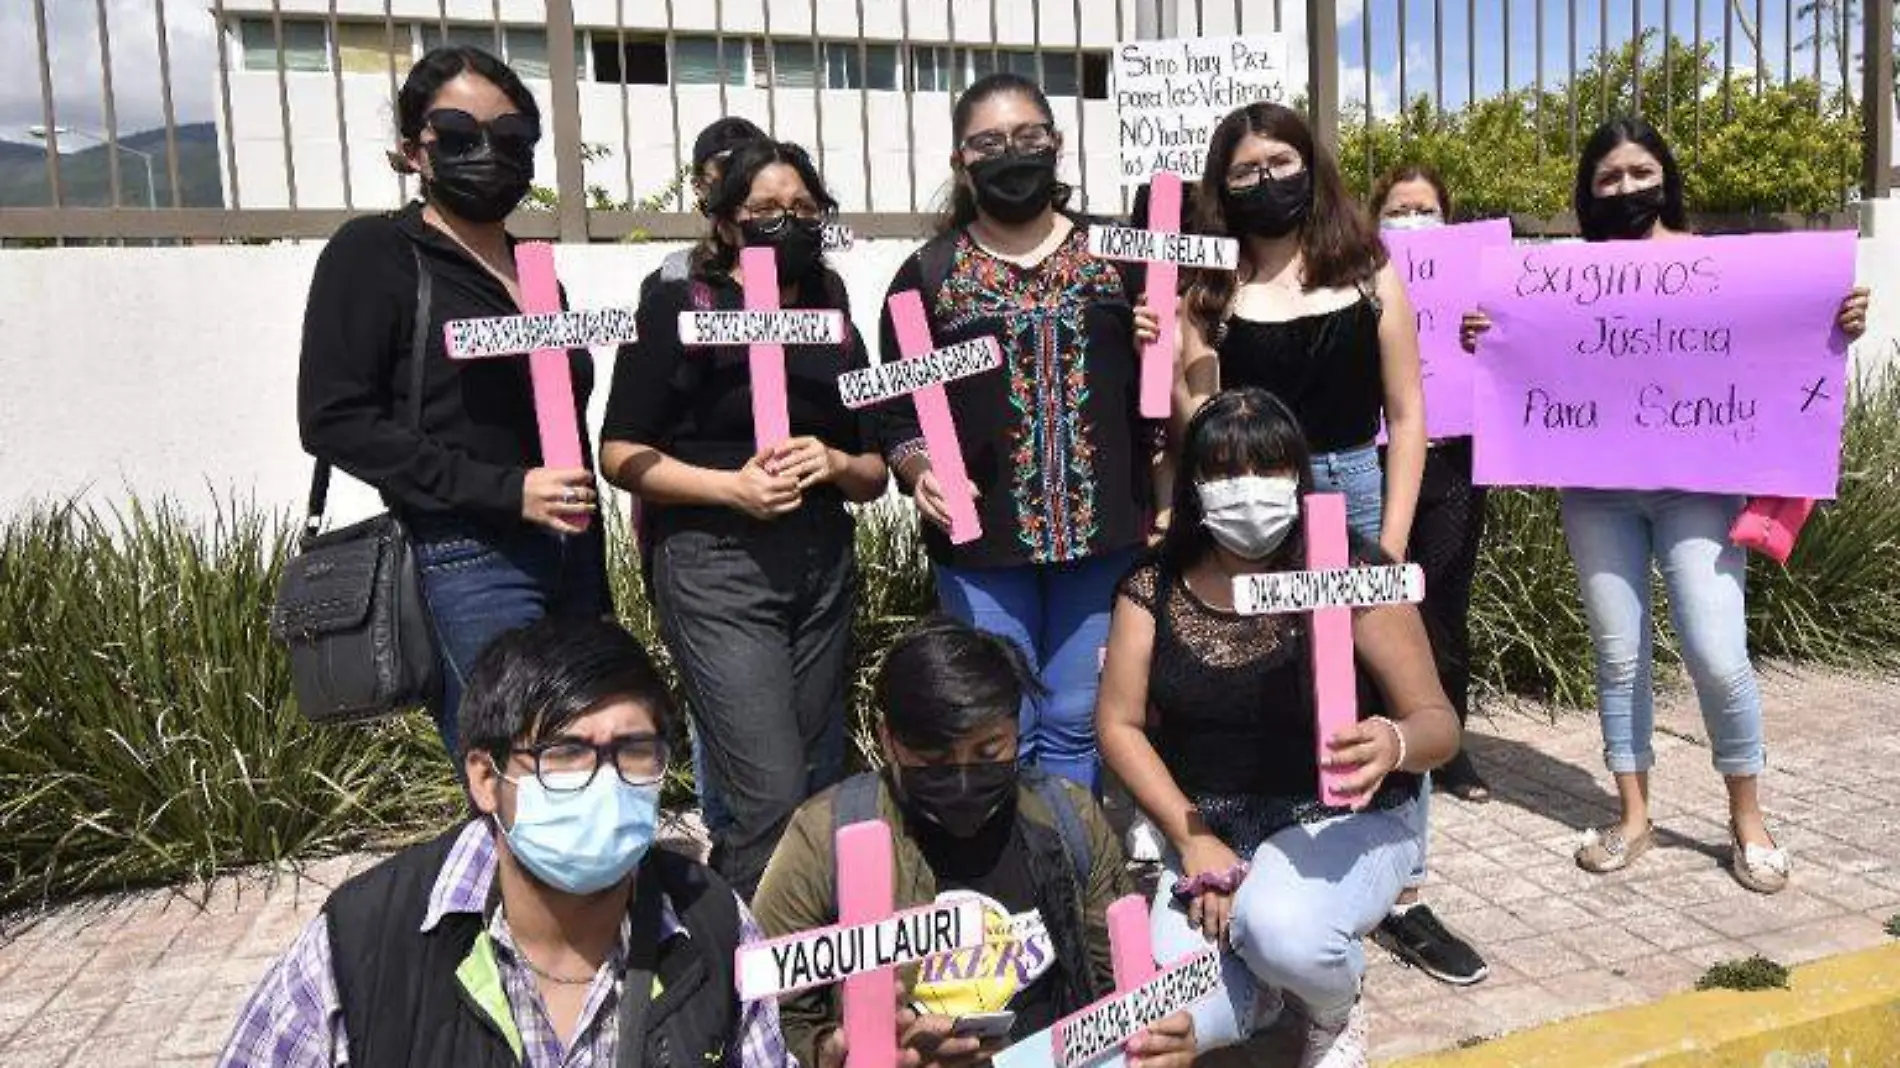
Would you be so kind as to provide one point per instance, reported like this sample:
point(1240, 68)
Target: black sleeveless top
point(1235, 699)
point(1324, 367)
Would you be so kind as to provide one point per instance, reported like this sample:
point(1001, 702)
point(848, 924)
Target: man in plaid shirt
point(544, 933)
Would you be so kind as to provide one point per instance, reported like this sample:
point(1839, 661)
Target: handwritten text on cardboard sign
point(895, 378)
point(1276, 592)
point(831, 954)
point(1109, 1024)
point(518, 335)
point(762, 328)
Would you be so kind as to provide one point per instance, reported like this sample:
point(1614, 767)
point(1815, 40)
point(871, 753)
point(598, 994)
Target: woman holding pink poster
point(1630, 189)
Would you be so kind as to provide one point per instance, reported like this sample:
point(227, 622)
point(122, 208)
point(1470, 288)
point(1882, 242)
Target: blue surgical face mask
point(585, 840)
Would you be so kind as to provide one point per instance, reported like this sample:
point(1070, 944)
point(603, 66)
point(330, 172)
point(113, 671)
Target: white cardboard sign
point(1108, 1024)
point(802, 327)
point(1157, 246)
point(519, 335)
point(1171, 93)
point(837, 237)
point(1277, 592)
point(895, 378)
point(831, 954)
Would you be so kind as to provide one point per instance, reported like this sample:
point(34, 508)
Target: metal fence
point(869, 81)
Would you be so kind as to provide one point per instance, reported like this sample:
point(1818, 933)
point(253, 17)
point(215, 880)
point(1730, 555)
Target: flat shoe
point(1604, 851)
point(1763, 869)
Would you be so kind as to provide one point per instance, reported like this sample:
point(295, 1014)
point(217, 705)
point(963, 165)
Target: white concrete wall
point(172, 372)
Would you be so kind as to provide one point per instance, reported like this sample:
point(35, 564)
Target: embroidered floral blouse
point(1054, 441)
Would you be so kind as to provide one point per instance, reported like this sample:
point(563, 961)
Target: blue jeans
point(481, 581)
point(1613, 536)
point(1315, 890)
point(1356, 474)
point(1058, 615)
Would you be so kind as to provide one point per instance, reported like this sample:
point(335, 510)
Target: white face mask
point(1250, 516)
point(1411, 222)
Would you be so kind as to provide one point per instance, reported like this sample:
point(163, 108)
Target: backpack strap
point(1075, 838)
point(855, 801)
point(418, 353)
point(934, 262)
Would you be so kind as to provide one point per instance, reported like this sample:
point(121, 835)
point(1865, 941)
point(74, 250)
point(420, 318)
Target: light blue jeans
point(1613, 536)
point(1315, 891)
point(1057, 614)
point(1356, 474)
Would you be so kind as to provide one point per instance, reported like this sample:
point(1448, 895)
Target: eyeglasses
point(1024, 140)
point(639, 760)
point(459, 134)
point(1248, 175)
point(774, 218)
point(1411, 211)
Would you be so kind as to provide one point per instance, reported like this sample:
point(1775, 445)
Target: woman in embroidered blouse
point(1054, 443)
point(1232, 772)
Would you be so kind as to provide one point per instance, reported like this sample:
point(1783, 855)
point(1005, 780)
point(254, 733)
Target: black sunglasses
point(459, 134)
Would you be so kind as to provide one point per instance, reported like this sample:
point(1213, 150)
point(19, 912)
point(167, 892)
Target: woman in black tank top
point(1315, 315)
point(1236, 772)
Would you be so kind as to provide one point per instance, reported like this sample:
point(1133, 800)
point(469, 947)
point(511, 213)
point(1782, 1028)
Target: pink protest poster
point(1439, 267)
point(1706, 364)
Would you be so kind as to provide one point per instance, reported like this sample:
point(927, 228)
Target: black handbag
point(349, 607)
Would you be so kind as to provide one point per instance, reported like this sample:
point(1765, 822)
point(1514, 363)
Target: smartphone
point(984, 1025)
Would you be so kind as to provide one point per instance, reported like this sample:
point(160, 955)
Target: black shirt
point(1015, 970)
point(1054, 441)
point(696, 405)
point(478, 434)
point(1324, 367)
point(1234, 698)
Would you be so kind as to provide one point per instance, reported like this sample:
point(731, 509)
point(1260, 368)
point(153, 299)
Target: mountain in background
point(85, 175)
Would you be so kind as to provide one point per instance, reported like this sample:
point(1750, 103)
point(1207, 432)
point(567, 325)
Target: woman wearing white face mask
point(1258, 863)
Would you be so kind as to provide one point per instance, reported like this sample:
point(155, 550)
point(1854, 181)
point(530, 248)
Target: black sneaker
point(1418, 939)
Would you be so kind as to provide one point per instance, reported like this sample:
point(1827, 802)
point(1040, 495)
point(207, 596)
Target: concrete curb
point(1839, 1012)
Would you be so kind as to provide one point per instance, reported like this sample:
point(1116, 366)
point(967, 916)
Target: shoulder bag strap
point(418, 352)
point(636, 985)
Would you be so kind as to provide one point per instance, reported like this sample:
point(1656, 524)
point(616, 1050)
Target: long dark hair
point(437, 68)
point(1245, 431)
point(960, 211)
point(715, 253)
point(1409, 172)
point(1630, 129)
point(1338, 244)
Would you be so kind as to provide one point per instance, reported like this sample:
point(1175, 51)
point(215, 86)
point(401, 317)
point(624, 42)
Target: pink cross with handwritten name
point(939, 425)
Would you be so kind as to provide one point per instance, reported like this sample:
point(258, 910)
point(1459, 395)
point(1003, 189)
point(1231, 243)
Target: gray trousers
point(758, 617)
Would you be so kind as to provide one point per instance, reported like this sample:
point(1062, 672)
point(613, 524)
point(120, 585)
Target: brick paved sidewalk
point(152, 979)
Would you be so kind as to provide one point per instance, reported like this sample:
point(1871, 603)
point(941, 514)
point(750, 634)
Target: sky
point(133, 28)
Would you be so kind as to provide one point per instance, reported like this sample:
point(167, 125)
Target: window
point(638, 62)
point(463, 35)
point(793, 65)
point(846, 68)
point(306, 45)
point(930, 69)
point(364, 48)
point(1058, 73)
point(1095, 75)
point(528, 52)
point(698, 60)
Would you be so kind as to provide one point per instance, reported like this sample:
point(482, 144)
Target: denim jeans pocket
point(453, 554)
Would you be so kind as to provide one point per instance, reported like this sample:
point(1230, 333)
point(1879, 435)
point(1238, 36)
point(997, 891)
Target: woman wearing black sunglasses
point(752, 568)
point(501, 540)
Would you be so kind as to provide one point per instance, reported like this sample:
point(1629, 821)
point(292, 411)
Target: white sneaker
point(1344, 1046)
point(1144, 842)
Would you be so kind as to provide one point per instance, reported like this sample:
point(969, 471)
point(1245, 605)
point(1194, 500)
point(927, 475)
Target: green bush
point(147, 732)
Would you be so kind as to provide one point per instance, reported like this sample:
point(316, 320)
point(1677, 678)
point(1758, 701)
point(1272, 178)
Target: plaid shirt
point(294, 1018)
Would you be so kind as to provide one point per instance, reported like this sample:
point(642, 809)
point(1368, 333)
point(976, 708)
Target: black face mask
point(960, 798)
point(1626, 216)
point(1273, 208)
point(797, 244)
point(482, 186)
point(1013, 188)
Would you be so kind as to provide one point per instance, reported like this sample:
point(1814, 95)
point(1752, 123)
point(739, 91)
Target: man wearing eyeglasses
point(546, 932)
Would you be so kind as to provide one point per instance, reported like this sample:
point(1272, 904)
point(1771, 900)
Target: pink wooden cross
point(933, 414)
point(1330, 589)
point(861, 949)
point(1091, 1034)
point(767, 331)
point(546, 332)
point(1165, 250)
